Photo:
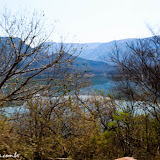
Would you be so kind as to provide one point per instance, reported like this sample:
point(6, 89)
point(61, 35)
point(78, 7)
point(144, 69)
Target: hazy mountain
point(94, 67)
point(92, 56)
point(98, 51)
point(102, 51)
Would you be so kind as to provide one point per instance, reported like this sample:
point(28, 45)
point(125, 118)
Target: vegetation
point(95, 128)
point(55, 121)
point(25, 57)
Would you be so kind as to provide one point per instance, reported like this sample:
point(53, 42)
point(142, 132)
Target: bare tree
point(28, 65)
point(139, 73)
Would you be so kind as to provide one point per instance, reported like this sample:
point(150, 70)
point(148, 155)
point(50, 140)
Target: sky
point(87, 21)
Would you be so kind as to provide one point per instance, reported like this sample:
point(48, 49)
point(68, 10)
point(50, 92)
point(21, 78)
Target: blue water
point(102, 83)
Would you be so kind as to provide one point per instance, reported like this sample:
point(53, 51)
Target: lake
point(103, 83)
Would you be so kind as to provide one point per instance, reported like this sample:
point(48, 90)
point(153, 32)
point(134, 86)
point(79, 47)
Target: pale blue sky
point(94, 20)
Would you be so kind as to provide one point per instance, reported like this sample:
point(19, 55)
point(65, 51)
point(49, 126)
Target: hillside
point(99, 51)
point(102, 51)
point(93, 56)
point(93, 67)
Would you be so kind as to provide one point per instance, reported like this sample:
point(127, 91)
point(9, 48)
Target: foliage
point(55, 122)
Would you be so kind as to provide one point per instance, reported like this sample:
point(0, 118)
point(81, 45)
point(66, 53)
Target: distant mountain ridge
point(101, 51)
point(93, 56)
point(93, 67)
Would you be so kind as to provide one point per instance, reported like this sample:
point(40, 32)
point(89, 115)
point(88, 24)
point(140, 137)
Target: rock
point(126, 158)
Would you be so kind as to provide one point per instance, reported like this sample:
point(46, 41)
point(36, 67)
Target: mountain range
point(98, 51)
point(93, 56)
